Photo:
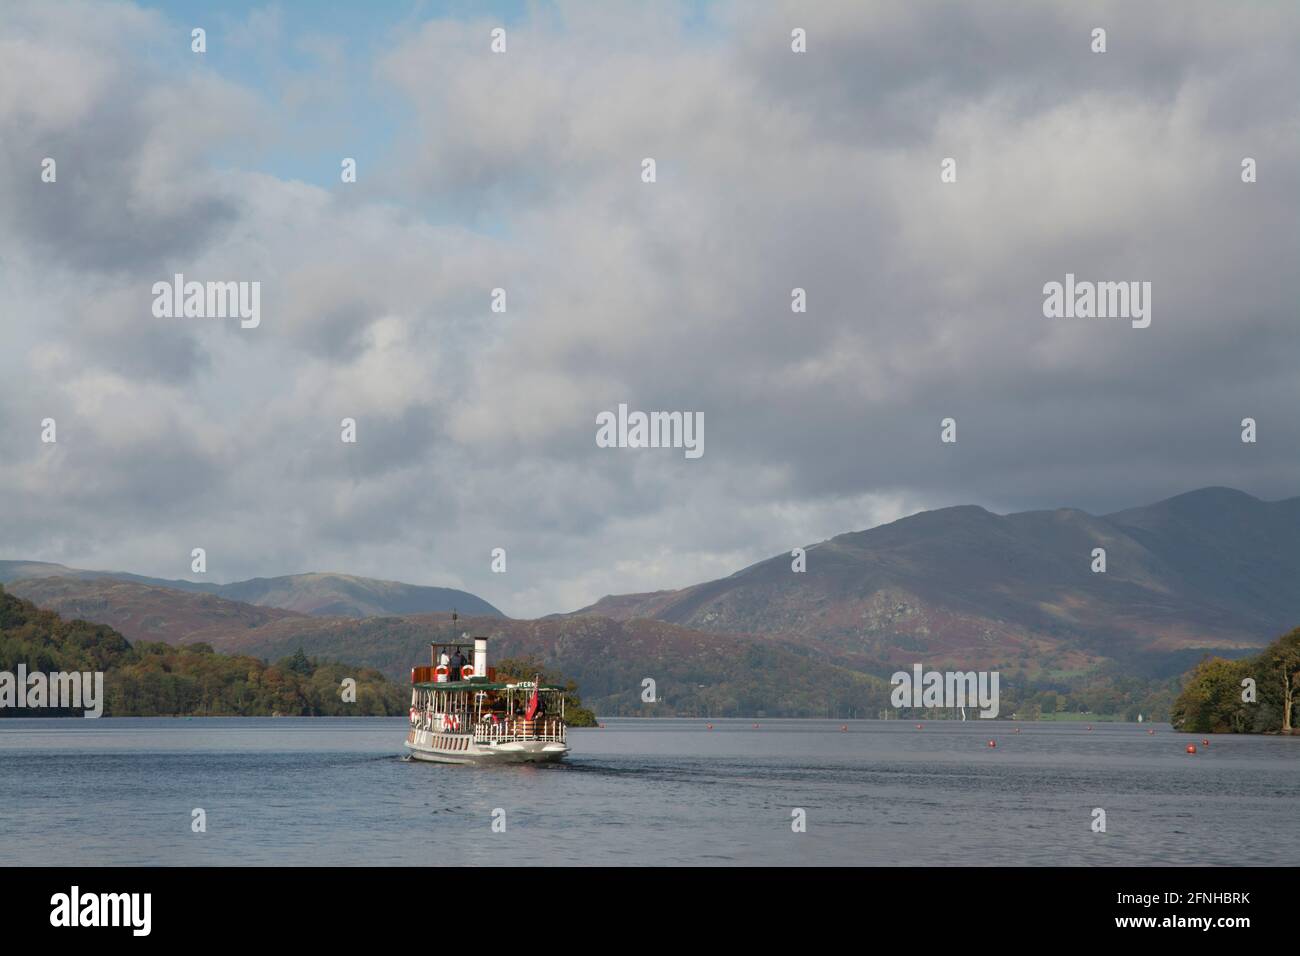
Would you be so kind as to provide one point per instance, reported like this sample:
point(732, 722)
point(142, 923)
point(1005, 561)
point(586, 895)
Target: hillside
point(1211, 571)
point(143, 612)
point(328, 595)
point(695, 672)
point(344, 595)
point(152, 679)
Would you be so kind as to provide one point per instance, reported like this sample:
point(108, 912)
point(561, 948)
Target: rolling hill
point(696, 671)
point(1211, 571)
point(144, 612)
point(142, 679)
point(341, 595)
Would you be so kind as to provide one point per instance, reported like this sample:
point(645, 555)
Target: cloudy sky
point(522, 170)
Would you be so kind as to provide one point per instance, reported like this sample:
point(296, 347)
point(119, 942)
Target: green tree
point(298, 663)
point(1211, 697)
point(153, 679)
point(1282, 659)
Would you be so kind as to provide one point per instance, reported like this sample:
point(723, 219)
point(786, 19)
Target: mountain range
point(1211, 571)
point(340, 595)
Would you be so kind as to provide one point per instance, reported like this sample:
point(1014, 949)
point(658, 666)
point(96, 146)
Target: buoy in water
point(1017, 730)
point(1090, 726)
point(918, 726)
point(1205, 743)
point(1191, 748)
point(1151, 731)
point(993, 743)
point(844, 728)
point(710, 726)
point(756, 726)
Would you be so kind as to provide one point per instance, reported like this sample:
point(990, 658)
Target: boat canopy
point(481, 685)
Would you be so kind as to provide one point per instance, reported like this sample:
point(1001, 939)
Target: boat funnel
point(480, 657)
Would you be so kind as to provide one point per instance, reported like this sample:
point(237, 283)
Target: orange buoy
point(1191, 748)
point(993, 743)
point(1204, 742)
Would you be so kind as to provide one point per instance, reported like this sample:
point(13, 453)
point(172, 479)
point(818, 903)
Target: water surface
point(335, 791)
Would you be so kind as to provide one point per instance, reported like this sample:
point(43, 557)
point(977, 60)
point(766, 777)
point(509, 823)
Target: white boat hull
point(463, 749)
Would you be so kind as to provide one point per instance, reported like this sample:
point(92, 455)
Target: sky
point(523, 171)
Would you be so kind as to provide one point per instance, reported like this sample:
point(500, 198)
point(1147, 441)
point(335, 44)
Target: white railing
point(440, 723)
point(549, 729)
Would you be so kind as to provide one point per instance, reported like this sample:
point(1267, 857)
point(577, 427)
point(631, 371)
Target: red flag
point(533, 703)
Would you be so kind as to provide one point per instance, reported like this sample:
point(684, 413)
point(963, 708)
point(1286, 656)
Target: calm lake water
point(669, 792)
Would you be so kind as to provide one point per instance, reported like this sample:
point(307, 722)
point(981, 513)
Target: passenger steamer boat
point(476, 719)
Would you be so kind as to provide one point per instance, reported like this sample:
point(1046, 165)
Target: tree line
point(1251, 695)
point(153, 679)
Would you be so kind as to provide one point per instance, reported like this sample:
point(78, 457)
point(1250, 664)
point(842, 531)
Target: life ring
point(440, 674)
point(450, 722)
point(466, 671)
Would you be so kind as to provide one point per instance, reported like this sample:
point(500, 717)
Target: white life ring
point(440, 673)
point(466, 671)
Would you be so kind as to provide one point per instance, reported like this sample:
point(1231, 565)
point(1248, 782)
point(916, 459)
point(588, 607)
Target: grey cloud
point(821, 171)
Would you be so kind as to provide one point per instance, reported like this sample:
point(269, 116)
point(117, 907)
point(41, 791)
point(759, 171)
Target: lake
point(663, 792)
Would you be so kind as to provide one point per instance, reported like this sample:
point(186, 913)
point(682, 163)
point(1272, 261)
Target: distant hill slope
point(316, 593)
point(342, 595)
point(1230, 548)
point(148, 679)
point(143, 612)
point(1213, 570)
point(11, 571)
point(695, 672)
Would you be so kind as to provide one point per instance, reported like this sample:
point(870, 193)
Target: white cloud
point(477, 429)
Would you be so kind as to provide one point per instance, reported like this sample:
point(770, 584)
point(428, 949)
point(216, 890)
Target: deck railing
point(550, 729)
point(438, 723)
